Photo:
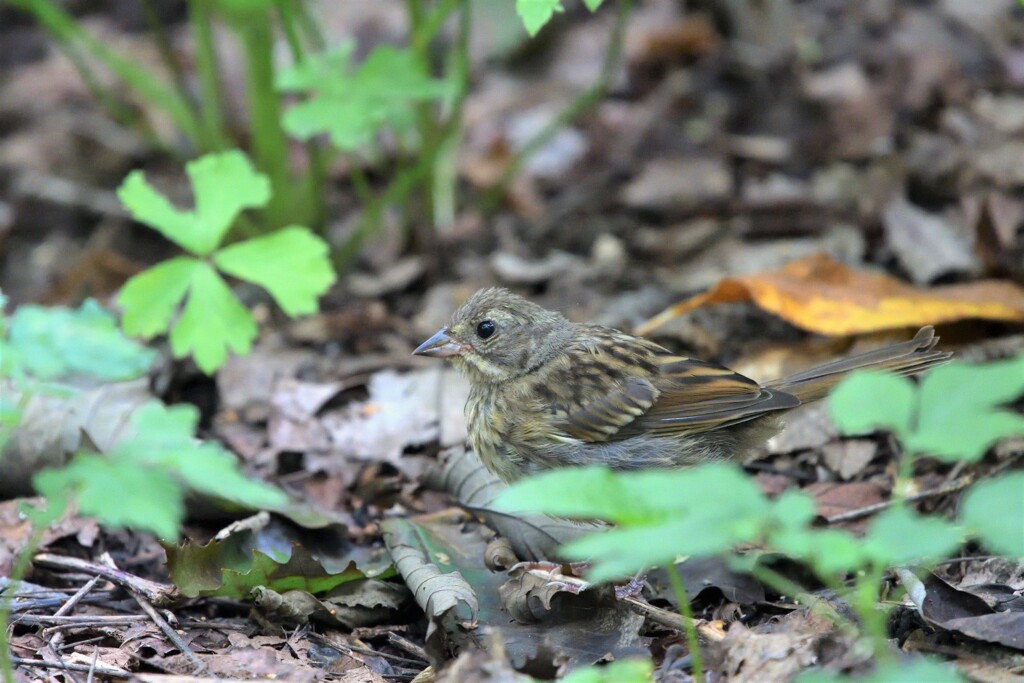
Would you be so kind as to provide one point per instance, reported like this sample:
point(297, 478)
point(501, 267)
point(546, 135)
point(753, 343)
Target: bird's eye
point(485, 329)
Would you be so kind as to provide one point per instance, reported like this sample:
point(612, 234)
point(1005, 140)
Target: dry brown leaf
point(821, 295)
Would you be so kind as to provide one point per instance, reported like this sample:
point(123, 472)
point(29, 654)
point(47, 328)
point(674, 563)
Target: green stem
point(269, 144)
point(317, 180)
point(309, 26)
point(359, 181)
point(146, 84)
point(167, 56)
point(866, 598)
point(445, 175)
point(679, 588)
point(207, 68)
point(580, 104)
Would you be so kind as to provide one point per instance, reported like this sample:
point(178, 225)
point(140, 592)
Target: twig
point(160, 594)
point(83, 620)
point(158, 619)
point(51, 652)
point(869, 510)
point(408, 646)
point(102, 670)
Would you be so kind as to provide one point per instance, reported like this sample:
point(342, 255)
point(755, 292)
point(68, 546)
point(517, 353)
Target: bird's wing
point(696, 396)
point(626, 386)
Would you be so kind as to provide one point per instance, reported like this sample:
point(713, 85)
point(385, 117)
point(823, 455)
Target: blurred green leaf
point(994, 510)
point(212, 322)
point(151, 298)
point(593, 5)
point(917, 670)
point(623, 671)
point(119, 494)
point(292, 264)
point(537, 13)
point(960, 414)
point(900, 536)
point(224, 184)
point(141, 482)
point(872, 400)
point(354, 105)
point(51, 342)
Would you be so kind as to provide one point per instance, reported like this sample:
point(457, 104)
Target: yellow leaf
point(821, 295)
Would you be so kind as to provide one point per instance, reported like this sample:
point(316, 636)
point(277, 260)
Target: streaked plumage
point(548, 393)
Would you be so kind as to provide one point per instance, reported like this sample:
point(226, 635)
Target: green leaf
point(223, 184)
point(212, 322)
point(637, 498)
point(353, 106)
point(960, 415)
point(227, 568)
point(119, 494)
point(163, 438)
point(536, 13)
point(141, 482)
point(660, 514)
point(593, 5)
point(870, 400)
point(51, 342)
point(994, 510)
point(917, 670)
point(151, 298)
point(899, 536)
point(622, 671)
point(292, 264)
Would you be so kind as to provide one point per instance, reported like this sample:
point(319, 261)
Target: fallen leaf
point(821, 295)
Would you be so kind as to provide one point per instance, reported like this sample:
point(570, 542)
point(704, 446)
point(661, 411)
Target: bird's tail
point(906, 358)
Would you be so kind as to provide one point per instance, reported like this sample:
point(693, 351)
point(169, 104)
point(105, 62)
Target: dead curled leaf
point(821, 295)
point(535, 537)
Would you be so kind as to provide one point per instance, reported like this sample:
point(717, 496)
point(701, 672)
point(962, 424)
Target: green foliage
point(229, 569)
point(956, 413)
point(355, 105)
point(994, 511)
point(142, 481)
point(537, 13)
point(622, 671)
point(914, 670)
point(292, 264)
point(51, 342)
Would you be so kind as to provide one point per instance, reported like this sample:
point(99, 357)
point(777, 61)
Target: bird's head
point(497, 336)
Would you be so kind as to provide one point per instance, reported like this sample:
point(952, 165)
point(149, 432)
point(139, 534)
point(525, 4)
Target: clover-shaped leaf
point(292, 264)
point(353, 106)
point(213, 321)
point(223, 184)
point(186, 295)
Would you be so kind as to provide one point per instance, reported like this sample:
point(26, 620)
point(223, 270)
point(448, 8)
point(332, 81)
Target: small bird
point(547, 393)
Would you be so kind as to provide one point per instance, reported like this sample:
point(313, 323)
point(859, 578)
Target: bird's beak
point(440, 346)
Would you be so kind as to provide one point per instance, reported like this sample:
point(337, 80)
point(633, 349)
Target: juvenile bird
point(547, 392)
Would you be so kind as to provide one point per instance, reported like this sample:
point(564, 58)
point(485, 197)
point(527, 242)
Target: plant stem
point(207, 68)
point(309, 26)
point(445, 175)
point(166, 50)
point(580, 104)
point(146, 84)
point(269, 144)
point(317, 179)
point(679, 588)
